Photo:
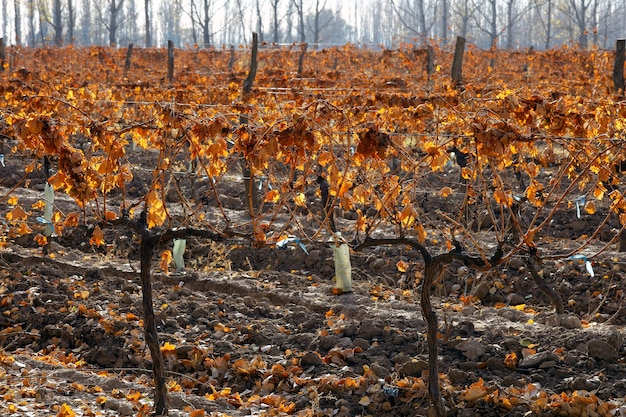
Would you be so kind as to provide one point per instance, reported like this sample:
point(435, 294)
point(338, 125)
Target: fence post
point(301, 59)
point(170, 60)
point(129, 55)
point(618, 68)
point(457, 63)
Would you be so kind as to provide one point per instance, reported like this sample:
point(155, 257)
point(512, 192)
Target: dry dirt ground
point(248, 331)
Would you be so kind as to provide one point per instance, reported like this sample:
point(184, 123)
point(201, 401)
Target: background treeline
point(508, 24)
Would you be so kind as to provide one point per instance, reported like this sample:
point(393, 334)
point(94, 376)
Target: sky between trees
point(507, 24)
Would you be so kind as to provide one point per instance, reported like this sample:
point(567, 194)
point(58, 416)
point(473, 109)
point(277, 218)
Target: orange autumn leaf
point(17, 214)
point(41, 239)
point(402, 266)
point(445, 191)
point(590, 207)
point(156, 209)
point(476, 391)
point(97, 237)
point(511, 360)
point(503, 198)
point(71, 220)
point(272, 196)
point(166, 259)
point(197, 413)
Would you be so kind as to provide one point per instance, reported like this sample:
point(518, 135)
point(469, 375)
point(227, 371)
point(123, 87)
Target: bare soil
point(258, 331)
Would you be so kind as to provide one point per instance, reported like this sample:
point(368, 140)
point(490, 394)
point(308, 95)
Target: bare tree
point(18, 21)
point(444, 20)
point(316, 24)
point(55, 21)
point(201, 16)
point(71, 20)
point(5, 19)
point(275, 23)
point(545, 13)
point(299, 6)
point(115, 8)
point(462, 13)
point(86, 22)
point(578, 11)
point(513, 16)
point(31, 23)
point(169, 15)
point(148, 23)
point(489, 22)
point(412, 15)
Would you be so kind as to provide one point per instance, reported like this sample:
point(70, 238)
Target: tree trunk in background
point(31, 22)
point(148, 23)
point(114, 12)
point(274, 4)
point(57, 23)
point(18, 22)
point(85, 22)
point(444, 21)
point(71, 20)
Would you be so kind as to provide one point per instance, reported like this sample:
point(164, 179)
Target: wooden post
point(301, 59)
point(231, 61)
point(618, 67)
point(430, 60)
point(170, 61)
point(129, 54)
point(3, 54)
point(457, 63)
point(248, 176)
point(247, 84)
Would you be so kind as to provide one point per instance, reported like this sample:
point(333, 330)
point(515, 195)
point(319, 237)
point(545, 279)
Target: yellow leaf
point(520, 307)
point(66, 411)
point(168, 347)
point(300, 200)
point(445, 191)
point(166, 259)
point(156, 210)
point(39, 205)
point(590, 207)
point(97, 238)
point(402, 266)
point(12, 201)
